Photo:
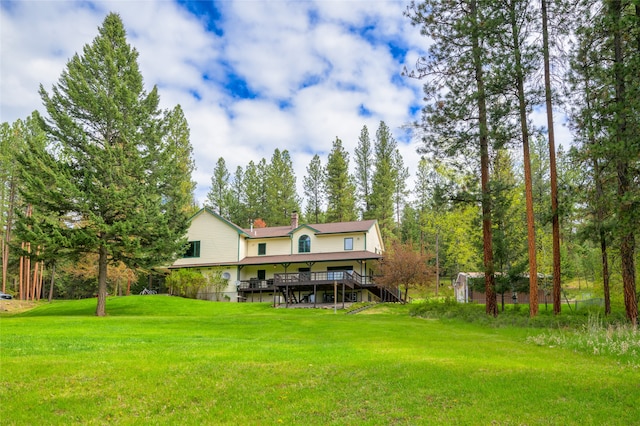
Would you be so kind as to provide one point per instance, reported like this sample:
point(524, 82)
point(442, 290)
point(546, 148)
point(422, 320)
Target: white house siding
point(244, 245)
point(335, 242)
point(275, 246)
point(374, 241)
point(218, 240)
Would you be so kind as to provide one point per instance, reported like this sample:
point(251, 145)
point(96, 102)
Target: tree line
point(266, 192)
point(488, 68)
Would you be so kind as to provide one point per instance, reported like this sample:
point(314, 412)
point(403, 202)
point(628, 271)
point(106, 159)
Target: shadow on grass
point(148, 305)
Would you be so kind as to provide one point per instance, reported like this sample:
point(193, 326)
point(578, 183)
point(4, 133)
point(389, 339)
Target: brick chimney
point(294, 220)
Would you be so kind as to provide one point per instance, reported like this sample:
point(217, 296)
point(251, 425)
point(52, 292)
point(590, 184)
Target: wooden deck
point(313, 282)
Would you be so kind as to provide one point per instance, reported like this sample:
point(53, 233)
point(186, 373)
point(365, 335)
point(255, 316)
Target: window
point(262, 274)
point(304, 244)
point(193, 249)
point(262, 249)
point(348, 243)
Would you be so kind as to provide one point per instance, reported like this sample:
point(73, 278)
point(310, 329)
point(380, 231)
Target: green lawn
point(166, 360)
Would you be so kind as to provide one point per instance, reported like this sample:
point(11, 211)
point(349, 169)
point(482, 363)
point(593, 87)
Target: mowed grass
point(166, 360)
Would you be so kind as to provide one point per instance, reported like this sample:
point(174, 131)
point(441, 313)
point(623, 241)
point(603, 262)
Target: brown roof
point(318, 229)
point(292, 258)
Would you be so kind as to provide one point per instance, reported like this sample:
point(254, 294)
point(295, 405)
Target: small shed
point(464, 288)
point(461, 286)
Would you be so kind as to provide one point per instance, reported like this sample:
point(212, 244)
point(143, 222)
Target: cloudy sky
point(251, 76)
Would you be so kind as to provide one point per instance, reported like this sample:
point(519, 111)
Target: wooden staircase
point(289, 295)
point(387, 294)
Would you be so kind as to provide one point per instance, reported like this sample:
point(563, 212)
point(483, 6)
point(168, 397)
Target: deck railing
point(345, 276)
point(350, 278)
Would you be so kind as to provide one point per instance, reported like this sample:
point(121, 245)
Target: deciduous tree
point(404, 267)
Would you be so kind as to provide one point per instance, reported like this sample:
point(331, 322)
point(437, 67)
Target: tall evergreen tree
point(456, 118)
point(586, 115)
point(364, 172)
point(115, 162)
point(385, 180)
point(400, 192)
point(254, 192)
point(341, 204)
point(218, 196)
point(282, 198)
point(237, 212)
point(553, 174)
point(315, 183)
point(611, 113)
point(12, 141)
point(623, 20)
point(509, 234)
point(518, 57)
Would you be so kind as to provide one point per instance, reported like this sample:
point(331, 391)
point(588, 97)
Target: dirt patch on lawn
point(15, 306)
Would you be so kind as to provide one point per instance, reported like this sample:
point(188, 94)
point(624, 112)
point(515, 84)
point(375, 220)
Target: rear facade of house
point(310, 264)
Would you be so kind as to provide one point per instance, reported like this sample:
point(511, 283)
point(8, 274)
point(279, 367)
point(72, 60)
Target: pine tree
point(456, 118)
point(519, 64)
point(255, 200)
point(117, 163)
point(237, 212)
point(282, 198)
point(400, 192)
point(364, 172)
point(12, 141)
point(341, 205)
point(315, 183)
point(385, 180)
point(606, 68)
point(553, 174)
point(218, 196)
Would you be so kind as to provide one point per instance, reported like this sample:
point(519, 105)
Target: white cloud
point(311, 67)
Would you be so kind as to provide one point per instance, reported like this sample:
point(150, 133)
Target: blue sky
point(251, 76)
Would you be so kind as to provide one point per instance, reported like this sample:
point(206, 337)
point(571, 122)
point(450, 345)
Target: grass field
point(166, 360)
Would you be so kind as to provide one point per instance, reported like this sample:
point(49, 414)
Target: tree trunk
point(531, 233)
point(52, 282)
point(102, 281)
point(489, 275)
point(7, 233)
point(437, 261)
point(625, 219)
point(555, 221)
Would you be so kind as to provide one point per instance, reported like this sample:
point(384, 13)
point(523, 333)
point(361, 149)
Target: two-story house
point(299, 263)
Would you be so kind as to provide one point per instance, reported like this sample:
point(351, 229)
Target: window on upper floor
point(193, 249)
point(304, 244)
point(262, 249)
point(348, 243)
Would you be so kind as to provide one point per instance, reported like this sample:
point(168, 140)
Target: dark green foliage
point(115, 175)
point(364, 172)
point(219, 196)
point(341, 204)
point(280, 190)
point(385, 182)
point(315, 183)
